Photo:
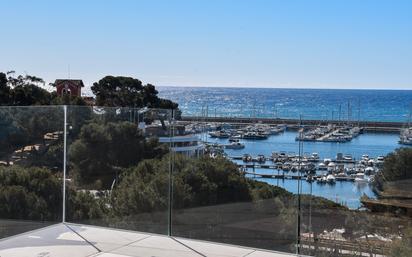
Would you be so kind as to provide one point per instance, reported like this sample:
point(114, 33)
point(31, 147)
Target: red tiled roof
point(77, 82)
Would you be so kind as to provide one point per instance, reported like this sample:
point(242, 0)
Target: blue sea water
point(347, 193)
point(370, 105)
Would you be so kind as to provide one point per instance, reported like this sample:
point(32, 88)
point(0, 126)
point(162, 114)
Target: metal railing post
point(64, 162)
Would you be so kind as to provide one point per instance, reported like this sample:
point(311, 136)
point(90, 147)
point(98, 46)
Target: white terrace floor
point(71, 240)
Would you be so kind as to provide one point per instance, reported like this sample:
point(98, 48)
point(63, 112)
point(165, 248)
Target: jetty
point(369, 126)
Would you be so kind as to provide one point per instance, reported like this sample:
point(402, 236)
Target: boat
point(331, 166)
point(314, 157)
point(247, 158)
point(234, 138)
point(347, 157)
point(261, 158)
point(235, 145)
point(360, 178)
point(294, 167)
point(254, 135)
point(330, 179)
point(277, 130)
point(327, 161)
point(369, 170)
point(322, 166)
point(322, 179)
point(219, 134)
point(286, 166)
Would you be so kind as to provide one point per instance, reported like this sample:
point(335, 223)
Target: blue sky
point(288, 43)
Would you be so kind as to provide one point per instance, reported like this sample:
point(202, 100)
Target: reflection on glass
point(30, 168)
point(118, 169)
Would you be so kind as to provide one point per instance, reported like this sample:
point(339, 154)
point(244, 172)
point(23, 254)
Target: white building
point(187, 144)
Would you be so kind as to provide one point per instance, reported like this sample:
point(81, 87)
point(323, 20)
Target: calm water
point(348, 193)
point(371, 105)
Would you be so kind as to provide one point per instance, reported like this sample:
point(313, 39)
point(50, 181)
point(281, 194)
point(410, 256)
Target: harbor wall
point(369, 126)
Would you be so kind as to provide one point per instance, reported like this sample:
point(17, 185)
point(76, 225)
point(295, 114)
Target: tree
point(26, 90)
point(196, 182)
point(36, 194)
point(128, 92)
point(33, 193)
point(66, 100)
point(118, 91)
point(397, 166)
point(4, 90)
point(103, 150)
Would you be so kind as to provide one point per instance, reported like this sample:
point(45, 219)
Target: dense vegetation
point(102, 151)
point(110, 91)
point(36, 194)
point(28, 90)
point(128, 92)
point(397, 167)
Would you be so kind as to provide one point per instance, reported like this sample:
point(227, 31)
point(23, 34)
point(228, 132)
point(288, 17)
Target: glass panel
point(226, 186)
point(31, 163)
point(353, 204)
point(118, 168)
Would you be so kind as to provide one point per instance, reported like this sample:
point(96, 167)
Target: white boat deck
point(72, 240)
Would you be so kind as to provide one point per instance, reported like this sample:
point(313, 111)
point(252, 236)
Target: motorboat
point(219, 134)
point(360, 178)
point(327, 161)
point(322, 166)
point(235, 138)
point(322, 179)
point(254, 135)
point(247, 158)
point(331, 166)
point(235, 145)
point(330, 179)
point(369, 171)
point(260, 158)
point(347, 157)
point(286, 166)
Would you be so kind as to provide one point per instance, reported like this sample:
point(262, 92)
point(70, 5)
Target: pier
point(294, 177)
point(369, 126)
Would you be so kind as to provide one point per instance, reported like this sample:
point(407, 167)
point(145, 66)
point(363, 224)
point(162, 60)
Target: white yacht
point(322, 166)
point(235, 145)
point(330, 179)
point(360, 178)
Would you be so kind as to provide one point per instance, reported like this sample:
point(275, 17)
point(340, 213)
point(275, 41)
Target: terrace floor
point(72, 240)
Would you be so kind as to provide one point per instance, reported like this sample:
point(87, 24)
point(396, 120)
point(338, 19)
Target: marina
point(330, 133)
point(340, 172)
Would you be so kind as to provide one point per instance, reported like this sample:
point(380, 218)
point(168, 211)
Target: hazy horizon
point(260, 44)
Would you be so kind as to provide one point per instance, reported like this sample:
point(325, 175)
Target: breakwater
point(369, 126)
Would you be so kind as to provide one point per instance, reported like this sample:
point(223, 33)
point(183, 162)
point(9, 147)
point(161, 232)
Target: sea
point(322, 104)
point(319, 104)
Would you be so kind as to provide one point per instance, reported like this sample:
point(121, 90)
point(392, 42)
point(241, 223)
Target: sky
point(231, 43)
